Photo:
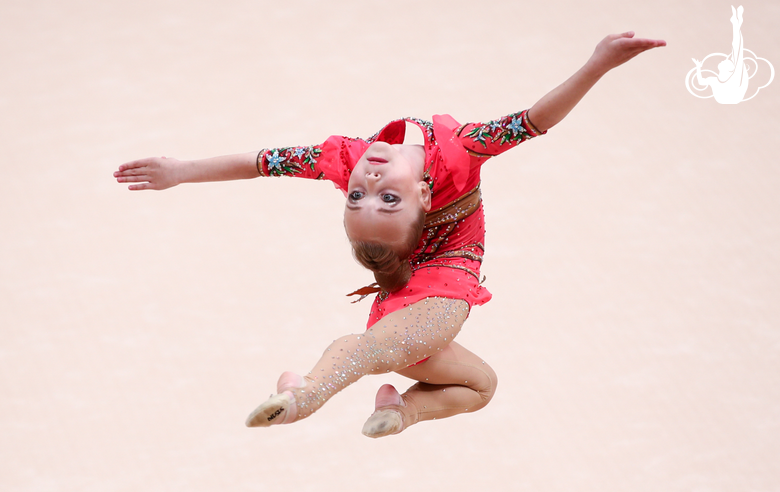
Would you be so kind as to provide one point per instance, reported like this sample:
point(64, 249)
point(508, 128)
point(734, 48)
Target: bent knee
point(490, 391)
point(485, 385)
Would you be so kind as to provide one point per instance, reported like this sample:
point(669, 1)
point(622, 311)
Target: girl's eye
point(356, 195)
point(388, 198)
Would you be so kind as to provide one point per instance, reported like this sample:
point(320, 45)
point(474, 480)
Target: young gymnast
point(414, 217)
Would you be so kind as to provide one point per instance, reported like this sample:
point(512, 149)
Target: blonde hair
point(390, 266)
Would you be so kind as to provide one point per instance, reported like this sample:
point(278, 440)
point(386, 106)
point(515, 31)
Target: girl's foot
point(387, 418)
point(383, 423)
point(388, 396)
point(278, 409)
point(289, 381)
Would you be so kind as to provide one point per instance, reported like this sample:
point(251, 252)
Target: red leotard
point(447, 260)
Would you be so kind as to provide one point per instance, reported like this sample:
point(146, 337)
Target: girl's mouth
point(376, 160)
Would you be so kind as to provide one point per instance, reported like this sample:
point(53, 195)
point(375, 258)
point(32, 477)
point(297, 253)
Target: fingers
point(644, 42)
point(143, 183)
point(140, 171)
point(632, 47)
point(132, 174)
point(136, 164)
point(617, 49)
point(129, 173)
point(152, 173)
point(628, 37)
point(627, 34)
point(147, 163)
point(142, 186)
point(133, 179)
point(133, 171)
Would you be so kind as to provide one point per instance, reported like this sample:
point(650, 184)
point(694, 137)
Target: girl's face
point(385, 193)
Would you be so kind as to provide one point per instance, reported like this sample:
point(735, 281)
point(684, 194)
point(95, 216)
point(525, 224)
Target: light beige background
point(633, 253)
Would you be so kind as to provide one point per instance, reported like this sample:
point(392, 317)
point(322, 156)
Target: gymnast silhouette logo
point(730, 84)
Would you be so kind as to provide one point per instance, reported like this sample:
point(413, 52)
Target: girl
point(414, 217)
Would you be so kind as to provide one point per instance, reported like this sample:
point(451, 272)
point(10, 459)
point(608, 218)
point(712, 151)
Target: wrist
point(595, 69)
point(183, 172)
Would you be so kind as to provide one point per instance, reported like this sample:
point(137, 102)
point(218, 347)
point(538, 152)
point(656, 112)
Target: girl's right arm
point(159, 173)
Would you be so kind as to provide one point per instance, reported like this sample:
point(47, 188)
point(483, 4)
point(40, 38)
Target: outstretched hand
point(617, 49)
point(152, 173)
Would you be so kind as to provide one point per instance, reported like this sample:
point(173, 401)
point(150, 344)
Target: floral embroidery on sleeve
point(289, 161)
point(509, 129)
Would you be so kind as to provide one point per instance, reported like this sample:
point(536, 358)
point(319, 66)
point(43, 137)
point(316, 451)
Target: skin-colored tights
point(451, 381)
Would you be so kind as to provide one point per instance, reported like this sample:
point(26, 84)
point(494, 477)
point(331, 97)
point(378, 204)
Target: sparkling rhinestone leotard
point(448, 259)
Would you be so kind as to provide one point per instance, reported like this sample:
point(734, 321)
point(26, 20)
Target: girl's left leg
point(451, 382)
point(391, 344)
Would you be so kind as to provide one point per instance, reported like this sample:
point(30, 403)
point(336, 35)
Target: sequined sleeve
point(497, 136)
point(332, 160)
point(302, 162)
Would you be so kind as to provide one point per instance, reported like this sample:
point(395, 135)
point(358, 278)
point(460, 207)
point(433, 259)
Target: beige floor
point(634, 252)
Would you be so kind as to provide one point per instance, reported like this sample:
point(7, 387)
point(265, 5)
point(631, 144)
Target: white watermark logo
point(730, 84)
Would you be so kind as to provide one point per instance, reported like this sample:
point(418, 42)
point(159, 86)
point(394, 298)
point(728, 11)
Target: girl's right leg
point(394, 342)
point(451, 382)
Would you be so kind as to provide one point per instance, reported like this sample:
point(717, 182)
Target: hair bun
point(391, 282)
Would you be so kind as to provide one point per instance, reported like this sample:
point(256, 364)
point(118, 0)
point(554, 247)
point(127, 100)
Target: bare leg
point(451, 382)
point(393, 343)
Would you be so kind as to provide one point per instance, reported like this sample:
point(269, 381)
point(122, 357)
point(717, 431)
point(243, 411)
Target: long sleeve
point(332, 160)
point(300, 162)
point(497, 136)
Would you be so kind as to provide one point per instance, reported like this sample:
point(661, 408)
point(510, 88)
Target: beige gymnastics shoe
point(383, 422)
point(387, 418)
point(278, 409)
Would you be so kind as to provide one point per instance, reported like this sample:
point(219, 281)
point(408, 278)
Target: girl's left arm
point(485, 140)
point(611, 52)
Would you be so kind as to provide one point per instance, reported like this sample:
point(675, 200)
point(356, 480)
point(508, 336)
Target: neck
point(416, 155)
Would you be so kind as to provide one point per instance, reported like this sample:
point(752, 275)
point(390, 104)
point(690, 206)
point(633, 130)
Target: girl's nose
point(373, 175)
